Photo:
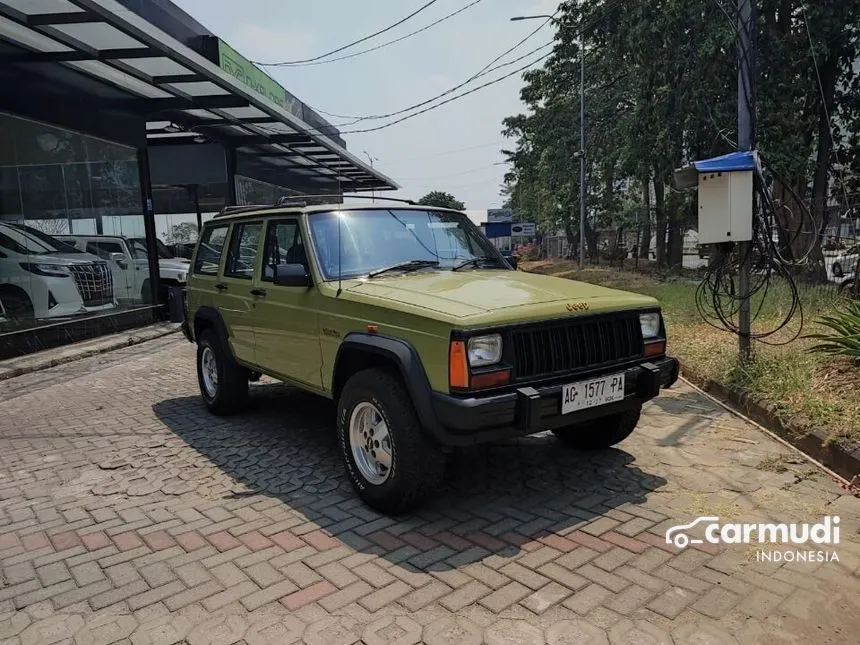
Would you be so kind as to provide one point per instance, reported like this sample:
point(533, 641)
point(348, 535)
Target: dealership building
point(125, 124)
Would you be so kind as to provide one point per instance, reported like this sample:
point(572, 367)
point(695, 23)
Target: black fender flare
point(213, 317)
point(404, 355)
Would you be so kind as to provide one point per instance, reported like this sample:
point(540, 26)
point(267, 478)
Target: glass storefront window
point(69, 203)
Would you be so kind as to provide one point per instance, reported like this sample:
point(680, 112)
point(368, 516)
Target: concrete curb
point(841, 458)
point(86, 349)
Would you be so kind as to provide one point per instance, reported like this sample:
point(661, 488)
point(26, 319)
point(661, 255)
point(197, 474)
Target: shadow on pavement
point(496, 498)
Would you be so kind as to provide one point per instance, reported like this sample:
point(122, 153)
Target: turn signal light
point(656, 348)
point(458, 365)
point(491, 379)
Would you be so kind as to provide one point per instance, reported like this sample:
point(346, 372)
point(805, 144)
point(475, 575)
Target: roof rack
point(297, 201)
point(290, 198)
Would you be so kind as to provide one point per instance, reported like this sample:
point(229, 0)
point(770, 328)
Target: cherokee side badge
point(577, 306)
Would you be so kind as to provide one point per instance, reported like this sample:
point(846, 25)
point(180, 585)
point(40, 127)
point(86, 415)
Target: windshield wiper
point(475, 262)
point(410, 265)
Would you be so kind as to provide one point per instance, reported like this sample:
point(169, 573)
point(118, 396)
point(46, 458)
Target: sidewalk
point(58, 355)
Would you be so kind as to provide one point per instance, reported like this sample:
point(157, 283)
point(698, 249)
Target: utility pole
point(371, 159)
point(581, 152)
point(746, 142)
point(581, 149)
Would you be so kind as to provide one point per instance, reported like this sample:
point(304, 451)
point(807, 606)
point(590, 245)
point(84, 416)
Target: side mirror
point(292, 275)
point(119, 258)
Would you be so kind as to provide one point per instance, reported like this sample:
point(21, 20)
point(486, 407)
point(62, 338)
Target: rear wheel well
point(352, 360)
point(201, 324)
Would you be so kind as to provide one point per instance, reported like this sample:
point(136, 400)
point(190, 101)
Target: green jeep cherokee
point(420, 331)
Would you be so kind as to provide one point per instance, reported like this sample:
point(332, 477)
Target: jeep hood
point(492, 296)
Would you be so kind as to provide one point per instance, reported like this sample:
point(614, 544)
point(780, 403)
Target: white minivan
point(130, 266)
point(44, 279)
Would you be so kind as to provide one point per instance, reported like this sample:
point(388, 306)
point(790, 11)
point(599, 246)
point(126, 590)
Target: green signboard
point(237, 65)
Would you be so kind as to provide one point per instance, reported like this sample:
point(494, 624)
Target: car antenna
point(339, 258)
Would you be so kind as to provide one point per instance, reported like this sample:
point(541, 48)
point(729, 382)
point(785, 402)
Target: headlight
point(54, 270)
point(650, 325)
point(485, 350)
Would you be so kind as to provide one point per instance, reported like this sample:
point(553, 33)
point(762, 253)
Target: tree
point(661, 88)
point(442, 200)
point(182, 233)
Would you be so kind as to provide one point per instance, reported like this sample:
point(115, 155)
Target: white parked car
point(845, 262)
point(128, 261)
point(42, 278)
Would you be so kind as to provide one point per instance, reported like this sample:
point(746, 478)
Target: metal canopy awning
point(185, 97)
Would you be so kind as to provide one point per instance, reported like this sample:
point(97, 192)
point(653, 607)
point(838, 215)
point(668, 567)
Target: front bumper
point(529, 410)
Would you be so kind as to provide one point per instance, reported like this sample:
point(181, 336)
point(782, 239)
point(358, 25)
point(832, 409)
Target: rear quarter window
point(210, 250)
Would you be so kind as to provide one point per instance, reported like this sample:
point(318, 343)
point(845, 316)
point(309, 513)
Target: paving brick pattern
point(129, 515)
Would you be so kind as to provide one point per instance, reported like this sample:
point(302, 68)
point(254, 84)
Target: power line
point(449, 100)
point(455, 150)
point(360, 40)
point(378, 47)
point(375, 117)
point(484, 85)
point(455, 174)
point(481, 72)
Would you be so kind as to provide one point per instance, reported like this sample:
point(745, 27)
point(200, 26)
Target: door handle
point(221, 286)
point(258, 292)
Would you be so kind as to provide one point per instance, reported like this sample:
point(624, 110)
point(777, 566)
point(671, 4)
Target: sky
point(455, 148)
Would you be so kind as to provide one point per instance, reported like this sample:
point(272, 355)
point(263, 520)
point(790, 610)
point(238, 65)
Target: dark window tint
point(243, 250)
point(209, 252)
point(284, 245)
point(104, 249)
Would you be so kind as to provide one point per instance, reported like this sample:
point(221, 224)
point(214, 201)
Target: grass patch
point(816, 390)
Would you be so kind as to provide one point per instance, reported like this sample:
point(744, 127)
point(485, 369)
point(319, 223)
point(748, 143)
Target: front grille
point(575, 345)
point(94, 282)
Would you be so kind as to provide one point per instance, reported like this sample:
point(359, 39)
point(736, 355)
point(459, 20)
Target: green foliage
point(442, 200)
point(661, 90)
point(844, 336)
point(182, 233)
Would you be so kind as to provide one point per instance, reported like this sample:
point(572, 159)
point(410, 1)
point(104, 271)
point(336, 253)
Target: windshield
point(138, 246)
point(29, 241)
point(375, 239)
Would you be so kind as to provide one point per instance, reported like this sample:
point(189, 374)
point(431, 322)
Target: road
point(129, 515)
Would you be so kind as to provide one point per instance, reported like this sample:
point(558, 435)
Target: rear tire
point(223, 383)
point(601, 433)
point(416, 463)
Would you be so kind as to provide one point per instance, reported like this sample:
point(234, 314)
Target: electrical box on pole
point(725, 196)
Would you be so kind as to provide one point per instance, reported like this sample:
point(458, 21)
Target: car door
point(236, 300)
point(139, 265)
point(287, 318)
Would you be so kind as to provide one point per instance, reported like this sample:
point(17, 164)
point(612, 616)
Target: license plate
point(590, 394)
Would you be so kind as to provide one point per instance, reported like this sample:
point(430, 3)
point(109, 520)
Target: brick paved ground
point(129, 515)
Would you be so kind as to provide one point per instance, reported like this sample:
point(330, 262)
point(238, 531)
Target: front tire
point(390, 462)
point(223, 383)
point(19, 310)
point(601, 433)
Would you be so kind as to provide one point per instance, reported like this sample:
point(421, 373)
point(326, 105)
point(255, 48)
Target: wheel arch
point(14, 290)
point(362, 350)
point(210, 318)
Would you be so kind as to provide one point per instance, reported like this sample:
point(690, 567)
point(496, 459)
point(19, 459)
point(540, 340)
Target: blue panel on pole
point(498, 229)
point(732, 162)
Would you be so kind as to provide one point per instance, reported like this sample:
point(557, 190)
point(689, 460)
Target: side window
point(209, 252)
point(243, 250)
point(284, 245)
point(104, 249)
